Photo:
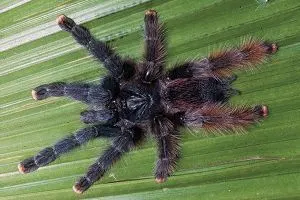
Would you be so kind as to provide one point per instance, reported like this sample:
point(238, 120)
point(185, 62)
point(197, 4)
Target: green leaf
point(264, 163)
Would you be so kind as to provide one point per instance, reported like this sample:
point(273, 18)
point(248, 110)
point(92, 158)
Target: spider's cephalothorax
point(140, 99)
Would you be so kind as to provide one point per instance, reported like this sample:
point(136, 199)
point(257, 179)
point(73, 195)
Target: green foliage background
point(262, 164)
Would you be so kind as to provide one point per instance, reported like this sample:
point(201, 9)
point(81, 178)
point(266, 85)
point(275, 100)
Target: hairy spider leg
point(167, 137)
point(77, 91)
point(222, 118)
point(117, 67)
point(49, 154)
point(86, 93)
point(122, 143)
point(153, 64)
point(222, 63)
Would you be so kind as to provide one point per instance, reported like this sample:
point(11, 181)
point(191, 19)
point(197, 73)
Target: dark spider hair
point(138, 99)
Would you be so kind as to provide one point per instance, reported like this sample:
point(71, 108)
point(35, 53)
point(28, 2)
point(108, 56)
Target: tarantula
point(142, 98)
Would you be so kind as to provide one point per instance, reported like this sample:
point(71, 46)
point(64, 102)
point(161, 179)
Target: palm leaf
point(262, 164)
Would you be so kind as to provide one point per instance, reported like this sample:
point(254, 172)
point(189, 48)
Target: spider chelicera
point(138, 99)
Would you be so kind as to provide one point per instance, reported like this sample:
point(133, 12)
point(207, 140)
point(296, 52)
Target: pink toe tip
point(21, 168)
point(151, 12)
point(34, 95)
point(160, 180)
point(77, 190)
point(274, 48)
point(265, 111)
point(60, 19)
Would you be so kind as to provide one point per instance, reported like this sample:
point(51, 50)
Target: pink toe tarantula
point(138, 99)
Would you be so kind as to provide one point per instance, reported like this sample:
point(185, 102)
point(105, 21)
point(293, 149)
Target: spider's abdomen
point(139, 102)
point(196, 91)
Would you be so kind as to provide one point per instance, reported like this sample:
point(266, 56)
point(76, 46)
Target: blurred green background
point(261, 164)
